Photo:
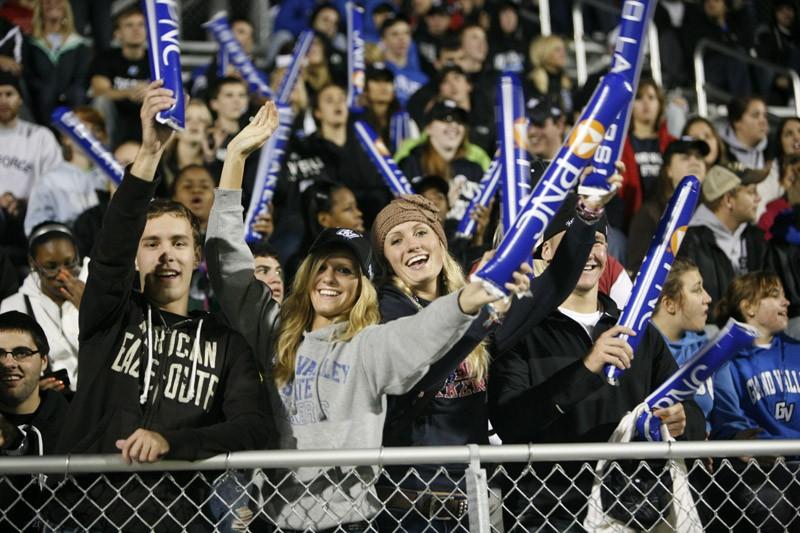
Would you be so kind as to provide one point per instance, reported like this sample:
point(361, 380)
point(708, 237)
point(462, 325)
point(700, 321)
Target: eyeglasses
point(20, 353)
point(52, 272)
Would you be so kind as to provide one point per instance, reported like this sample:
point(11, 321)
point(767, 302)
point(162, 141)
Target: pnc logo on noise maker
point(586, 136)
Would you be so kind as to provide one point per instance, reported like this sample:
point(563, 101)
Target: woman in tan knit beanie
point(409, 238)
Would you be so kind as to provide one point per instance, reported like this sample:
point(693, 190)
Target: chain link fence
point(732, 486)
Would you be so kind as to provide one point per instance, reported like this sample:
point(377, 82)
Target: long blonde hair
point(297, 315)
point(67, 25)
point(451, 279)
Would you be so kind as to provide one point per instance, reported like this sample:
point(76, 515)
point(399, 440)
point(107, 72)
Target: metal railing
point(502, 488)
point(579, 37)
point(545, 25)
point(701, 86)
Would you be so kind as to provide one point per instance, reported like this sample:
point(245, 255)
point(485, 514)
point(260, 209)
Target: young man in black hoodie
point(156, 382)
point(30, 418)
point(549, 388)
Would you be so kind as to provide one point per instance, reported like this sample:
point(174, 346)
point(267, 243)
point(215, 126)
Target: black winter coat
point(541, 392)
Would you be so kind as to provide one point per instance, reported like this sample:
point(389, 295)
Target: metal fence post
point(477, 492)
point(580, 46)
point(544, 17)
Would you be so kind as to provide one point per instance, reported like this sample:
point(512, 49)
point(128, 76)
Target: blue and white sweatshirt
point(759, 388)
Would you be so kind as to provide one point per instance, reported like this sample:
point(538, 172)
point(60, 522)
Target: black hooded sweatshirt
point(541, 392)
point(227, 411)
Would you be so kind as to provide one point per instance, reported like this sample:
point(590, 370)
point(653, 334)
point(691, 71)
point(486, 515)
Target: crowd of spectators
point(134, 319)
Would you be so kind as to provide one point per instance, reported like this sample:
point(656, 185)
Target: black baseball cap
point(437, 8)
point(540, 109)
point(564, 218)
point(378, 71)
point(354, 241)
point(431, 181)
point(448, 111)
point(7, 78)
point(684, 145)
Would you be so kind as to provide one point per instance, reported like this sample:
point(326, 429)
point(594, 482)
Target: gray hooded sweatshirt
point(730, 243)
point(751, 157)
point(337, 399)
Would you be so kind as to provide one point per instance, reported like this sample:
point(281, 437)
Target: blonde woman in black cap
point(327, 363)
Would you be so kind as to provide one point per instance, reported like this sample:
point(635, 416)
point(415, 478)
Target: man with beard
point(549, 388)
point(30, 418)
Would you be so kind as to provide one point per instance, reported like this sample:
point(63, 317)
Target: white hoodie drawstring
point(143, 397)
point(195, 356)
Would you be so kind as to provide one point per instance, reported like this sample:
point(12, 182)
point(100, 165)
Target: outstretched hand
point(255, 134)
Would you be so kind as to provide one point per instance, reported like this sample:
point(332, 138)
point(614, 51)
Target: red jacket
point(631, 189)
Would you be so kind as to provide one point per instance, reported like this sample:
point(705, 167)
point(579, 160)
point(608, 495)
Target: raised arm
point(246, 302)
point(397, 354)
point(112, 271)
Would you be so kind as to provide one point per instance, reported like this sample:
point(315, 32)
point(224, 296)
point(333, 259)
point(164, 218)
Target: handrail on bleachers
point(578, 36)
point(700, 84)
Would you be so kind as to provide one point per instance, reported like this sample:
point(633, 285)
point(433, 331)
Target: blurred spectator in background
point(207, 76)
point(69, 188)
point(379, 102)
point(190, 146)
point(119, 77)
point(683, 157)
point(455, 85)
point(715, 20)
point(790, 185)
point(56, 67)
point(548, 57)
point(722, 239)
point(747, 130)
point(325, 21)
point(400, 59)
point(429, 33)
point(27, 152)
point(777, 42)
point(268, 269)
point(444, 151)
point(647, 140)
point(88, 223)
point(546, 129)
point(324, 65)
point(704, 130)
point(787, 145)
point(508, 44)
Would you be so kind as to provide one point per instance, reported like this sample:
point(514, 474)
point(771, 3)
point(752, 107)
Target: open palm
point(256, 133)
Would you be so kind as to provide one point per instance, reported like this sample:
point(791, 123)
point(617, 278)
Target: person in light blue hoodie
point(680, 316)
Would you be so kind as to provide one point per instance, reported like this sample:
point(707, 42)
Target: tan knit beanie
point(406, 208)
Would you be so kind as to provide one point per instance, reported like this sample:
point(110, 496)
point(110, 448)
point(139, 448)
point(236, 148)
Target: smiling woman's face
point(335, 286)
point(415, 253)
point(771, 313)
